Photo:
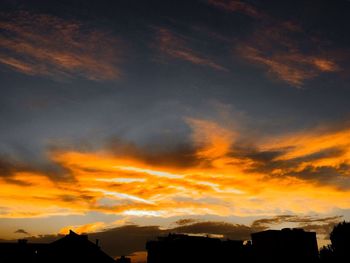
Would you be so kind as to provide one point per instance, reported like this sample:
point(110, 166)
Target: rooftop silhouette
point(71, 248)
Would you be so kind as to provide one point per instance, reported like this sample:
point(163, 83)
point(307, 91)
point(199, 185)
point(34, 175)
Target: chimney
point(97, 242)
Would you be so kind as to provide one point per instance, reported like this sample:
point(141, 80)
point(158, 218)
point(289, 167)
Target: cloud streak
point(176, 46)
point(279, 46)
point(291, 66)
point(45, 45)
point(238, 6)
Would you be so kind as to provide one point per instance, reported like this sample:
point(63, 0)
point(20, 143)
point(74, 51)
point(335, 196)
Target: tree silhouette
point(339, 250)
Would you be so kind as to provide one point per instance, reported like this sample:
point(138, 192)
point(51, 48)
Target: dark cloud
point(270, 164)
point(324, 174)
point(9, 167)
point(321, 229)
point(21, 231)
point(321, 225)
point(185, 221)
point(44, 238)
point(77, 198)
point(227, 230)
point(169, 154)
point(266, 222)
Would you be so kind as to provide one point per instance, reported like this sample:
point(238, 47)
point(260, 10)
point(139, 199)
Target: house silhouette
point(71, 248)
point(22, 251)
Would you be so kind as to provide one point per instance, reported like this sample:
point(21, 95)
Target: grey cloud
point(178, 154)
point(321, 225)
point(10, 166)
point(227, 230)
point(21, 231)
point(185, 221)
point(268, 162)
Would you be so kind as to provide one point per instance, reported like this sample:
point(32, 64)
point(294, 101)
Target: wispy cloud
point(301, 221)
point(176, 46)
point(273, 48)
point(42, 44)
point(279, 46)
point(238, 6)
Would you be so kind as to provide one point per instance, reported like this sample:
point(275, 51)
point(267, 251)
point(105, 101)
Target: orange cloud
point(211, 140)
point(277, 46)
point(300, 172)
point(292, 67)
point(279, 49)
point(40, 44)
point(87, 228)
point(176, 46)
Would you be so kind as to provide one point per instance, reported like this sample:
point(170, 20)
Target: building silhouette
point(71, 248)
point(286, 245)
point(188, 249)
point(22, 251)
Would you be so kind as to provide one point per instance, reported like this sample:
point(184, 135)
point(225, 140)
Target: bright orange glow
point(88, 228)
point(222, 182)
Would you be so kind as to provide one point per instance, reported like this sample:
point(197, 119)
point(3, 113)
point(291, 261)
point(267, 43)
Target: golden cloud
point(301, 172)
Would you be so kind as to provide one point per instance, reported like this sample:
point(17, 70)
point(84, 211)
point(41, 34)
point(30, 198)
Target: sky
point(137, 118)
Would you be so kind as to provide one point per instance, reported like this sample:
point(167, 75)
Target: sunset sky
point(137, 117)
